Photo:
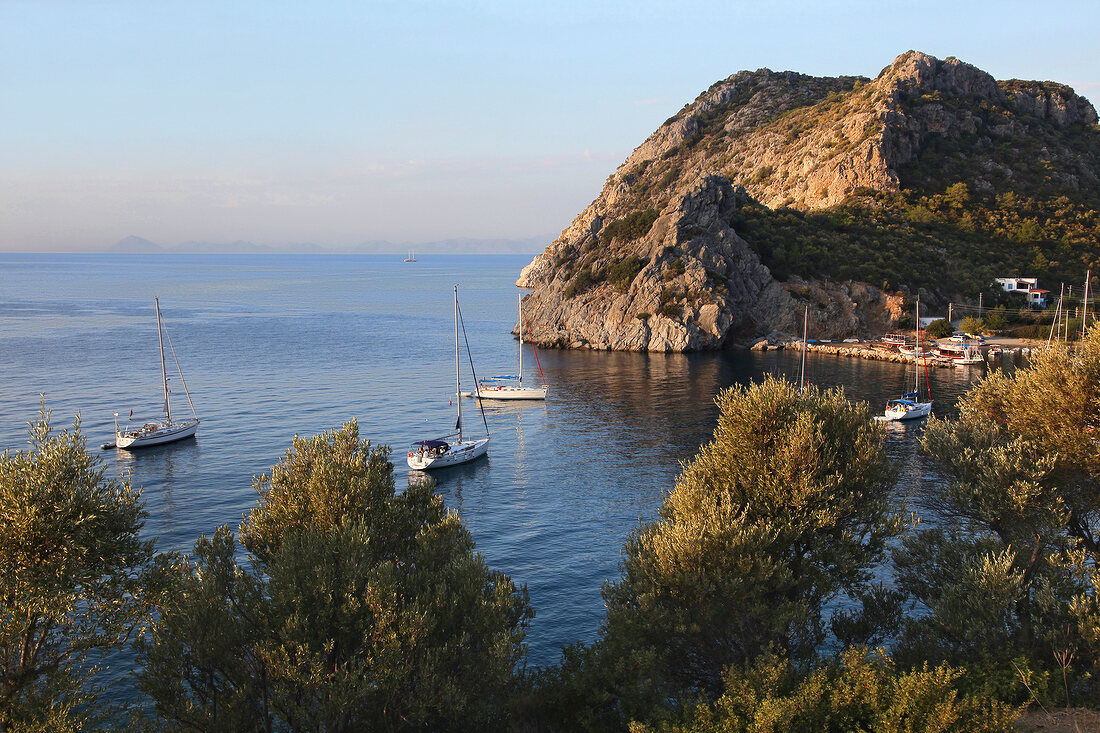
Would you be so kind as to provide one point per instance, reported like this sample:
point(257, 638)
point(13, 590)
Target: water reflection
point(162, 471)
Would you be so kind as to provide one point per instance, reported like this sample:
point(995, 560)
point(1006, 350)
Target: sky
point(337, 123)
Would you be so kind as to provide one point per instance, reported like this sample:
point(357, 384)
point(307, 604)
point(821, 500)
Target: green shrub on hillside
point(581, 281)
point(674, 270)
point(351, 596)
point(1004, 575)
point(634, 225)
point(995, 320)
point(670, 310)
point(971, 325)
point(623, 272)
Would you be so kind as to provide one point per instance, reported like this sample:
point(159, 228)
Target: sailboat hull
point(915, 411)
point(506, 392)
point(155, 433)
point(457, 453)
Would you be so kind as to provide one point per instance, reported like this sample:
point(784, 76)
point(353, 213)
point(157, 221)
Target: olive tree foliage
point(75, 578)
point(357, 608)
point(860, 690)
point(787, 508)
point(1010, 575)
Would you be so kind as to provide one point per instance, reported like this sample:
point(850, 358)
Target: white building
point(1026, 286)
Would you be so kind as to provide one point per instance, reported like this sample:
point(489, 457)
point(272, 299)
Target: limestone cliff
point(656, 262)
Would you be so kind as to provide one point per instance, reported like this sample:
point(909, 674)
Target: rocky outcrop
point(655, 264)
point(696, 282)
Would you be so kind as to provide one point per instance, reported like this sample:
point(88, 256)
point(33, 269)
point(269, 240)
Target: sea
point(273, 346)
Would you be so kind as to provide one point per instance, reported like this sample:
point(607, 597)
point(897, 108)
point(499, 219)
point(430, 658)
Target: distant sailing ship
point(411, 257)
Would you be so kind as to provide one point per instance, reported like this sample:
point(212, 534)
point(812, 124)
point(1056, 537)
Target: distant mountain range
point(459, 246)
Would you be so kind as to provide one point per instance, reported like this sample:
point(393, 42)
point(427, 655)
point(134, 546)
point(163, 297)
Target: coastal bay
point(274, 346)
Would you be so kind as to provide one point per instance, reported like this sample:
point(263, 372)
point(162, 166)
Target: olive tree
point(75, 579)
point(785, 510)
point(1010, 574)
point(356, 608)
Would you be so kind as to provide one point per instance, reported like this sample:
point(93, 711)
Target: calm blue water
point(272, 346)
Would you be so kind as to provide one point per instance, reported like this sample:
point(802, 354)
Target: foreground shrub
point(861, 691)
point(1007, 581)
point(75, 581)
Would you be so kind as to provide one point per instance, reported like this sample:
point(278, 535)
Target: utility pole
point(949, 312)
point(979, 305)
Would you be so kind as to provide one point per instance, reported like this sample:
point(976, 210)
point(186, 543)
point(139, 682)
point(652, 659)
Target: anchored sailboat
point(443, 452)
point(510, 387)
point(163, 430)
point(909, 406)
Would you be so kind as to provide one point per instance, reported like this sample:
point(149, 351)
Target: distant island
point(776, 190)
point(139, 245)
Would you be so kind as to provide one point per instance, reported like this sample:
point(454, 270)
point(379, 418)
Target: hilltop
point(776, 189)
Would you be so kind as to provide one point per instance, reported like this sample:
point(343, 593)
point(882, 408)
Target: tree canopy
point(1011, 571)
point(784, 510)
point(358, 609)
point(75, 583)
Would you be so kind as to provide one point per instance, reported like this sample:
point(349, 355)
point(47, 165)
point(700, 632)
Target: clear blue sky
point(342, 122)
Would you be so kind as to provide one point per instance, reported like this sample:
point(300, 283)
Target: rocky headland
point(683, 249)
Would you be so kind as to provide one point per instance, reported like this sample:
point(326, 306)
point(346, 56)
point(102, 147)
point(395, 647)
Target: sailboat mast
point(805, 345)
point(920, 352)
point(163, 370)
point(519, 310)
point(1085, 304)
point(1056, 322)
point(458, 394)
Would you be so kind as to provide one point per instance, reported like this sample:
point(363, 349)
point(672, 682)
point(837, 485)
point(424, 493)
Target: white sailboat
point(510, 387)
point(162, 430)
point(909, 405)
point(411, 257)
point(443, 452)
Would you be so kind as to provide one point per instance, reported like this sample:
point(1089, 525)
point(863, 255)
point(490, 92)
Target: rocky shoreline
point(875, 351)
